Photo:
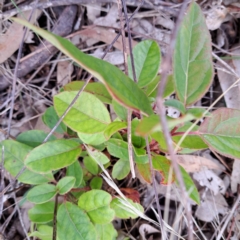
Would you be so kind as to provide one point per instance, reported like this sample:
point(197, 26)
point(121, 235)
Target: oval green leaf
point(106, 231)
point(96, 183)
point(87, 115)
point(50, 118)
point(147, 58)
point(42, 213)
point(92, 138)
point(117, 83)
point(41, 193)
point(53, 155)
point(121, 169)
point(97, 205)
point(65, 185)
point(222, 133)
point(33, 138)
point(75, 170)
point(192, 62)
point(14, 154)
point(73, 223)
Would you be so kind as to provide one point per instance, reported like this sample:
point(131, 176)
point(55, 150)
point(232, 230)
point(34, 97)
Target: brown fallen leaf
point(11, 40)
point(193, 163)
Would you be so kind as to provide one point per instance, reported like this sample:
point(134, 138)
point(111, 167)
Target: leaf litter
point(98, 28)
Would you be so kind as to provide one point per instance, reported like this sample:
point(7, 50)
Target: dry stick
point(129, 112)
point(20, 216)
point(229, 217)
point(160, 219)
point(166, 64)
point(15, 78)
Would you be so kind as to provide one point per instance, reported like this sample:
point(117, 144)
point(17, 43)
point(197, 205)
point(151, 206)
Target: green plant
point(87, 210)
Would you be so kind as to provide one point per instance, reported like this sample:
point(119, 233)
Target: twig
point(54, 237)
point(129, 112)
point(166, 64)
point(15, 77)
point(161, 223)
point(220, 234)
point(20, 217)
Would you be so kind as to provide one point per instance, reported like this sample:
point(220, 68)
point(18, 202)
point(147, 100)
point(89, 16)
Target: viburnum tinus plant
point(94, 148)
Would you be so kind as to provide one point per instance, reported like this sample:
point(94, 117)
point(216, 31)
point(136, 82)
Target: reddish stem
point(181, 133)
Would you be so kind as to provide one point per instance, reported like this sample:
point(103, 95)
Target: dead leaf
point(193, 163)
point(146, 229)
point(64, 72)
point(210, 180)
point(216, 16)
point(11, 40)
point(103, 35)
point(131, 193)
point(211, 206)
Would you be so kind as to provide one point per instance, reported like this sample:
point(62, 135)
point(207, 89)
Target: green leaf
point(190, 186)
point(73, 223)
point(190, 141)
point(53, 155)
point(122, 211)
point(106, 231)
point(144, 171)
point(98, 156)
point(163, 165)
point(152, 89)
point(95, 88)
point(96, 183)
point(175, 104)
point(92, 138)
point(33, 138)
point(120, 110)
point(88, 114)
point(90, 165)
point(50, 118)
point(159, 137)
point(114, 127)
point(147, 58)
point(117, 83)
point(44, 233)
point(97, 205)
point(14, 154)
point(198, 112)
point(75, 170)
point(42, 213)
point(192, 61)
point(121, 169)
point(137, 141)
point(117, 148)
point(65, 185)
point(42, 193)
point(152, 124)
point(222, 133)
